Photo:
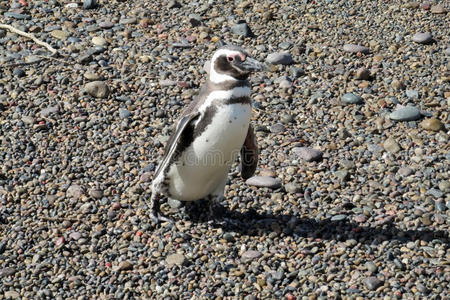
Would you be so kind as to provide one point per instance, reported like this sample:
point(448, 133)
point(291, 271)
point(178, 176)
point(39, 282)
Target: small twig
point(30, 36)
point(21, 64)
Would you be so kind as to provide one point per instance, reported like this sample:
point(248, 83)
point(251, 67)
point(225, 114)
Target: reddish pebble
point(139, 233)
point(59, 241)
point(426, 5)
point(183, 84)
point(23, 2)
point(290, 297)
point(116, 205)
point(108, 264)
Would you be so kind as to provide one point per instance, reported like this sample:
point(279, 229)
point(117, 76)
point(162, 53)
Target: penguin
point(209, 135)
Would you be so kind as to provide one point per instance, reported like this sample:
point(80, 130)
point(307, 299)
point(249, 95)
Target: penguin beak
point(249, 65)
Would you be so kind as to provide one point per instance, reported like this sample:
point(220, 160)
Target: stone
point(280, 58)
point(352, 48)
point(362, 74)
point(342, 175)
point(391, 145)
point(242, 29)
point(18, 72)
point(438, 9)
point(338, 218)
point(124, 266)
point(17, 16)
point(96, 193)
point(264, 181)
point(444, 186)
point(408, 113)
point(397, 85)
point(432, 124)
point(296, 72)
point(49, 110)
point(405, 171)
point(59, 34)
point(99, 41)
point(8, 271)
point(195, 20)
point(292, 187)
point(412, 94)
point(435, 193)
point(177, 259)
point(371, 266)
point(422, 38)
point(250, 255)
point(350, 98)
point(124, 113)
point(174, 203)
point(285, 84)
point(97, 89)
point(307, 154)
point(372, 283)
point(75, 192)
point(11, 295)
point(173, 4)
point(89, 4)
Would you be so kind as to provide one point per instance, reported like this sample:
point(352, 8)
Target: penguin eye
point(230, 58)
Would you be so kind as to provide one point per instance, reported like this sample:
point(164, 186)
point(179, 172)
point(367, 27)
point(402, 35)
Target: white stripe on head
point(219, 77)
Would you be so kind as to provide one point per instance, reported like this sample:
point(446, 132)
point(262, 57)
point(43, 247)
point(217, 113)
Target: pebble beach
point(351, 196)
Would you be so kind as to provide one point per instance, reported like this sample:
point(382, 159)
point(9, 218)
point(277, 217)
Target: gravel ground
point(352, 122)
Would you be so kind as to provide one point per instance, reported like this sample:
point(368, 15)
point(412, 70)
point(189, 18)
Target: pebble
point(280, 58)
point(68, 244)
point(18, 72)
point(391, 145)
point(97, 89)
point(11, 295)
point(264, 181)
point(373, 283)
point(405, 171)
point(89, 4)
point(242, 29)
point(124, 266)
point(17, 16)
point(176, 259)
point(422, 38)
point(308, 154)
point(432, 124)
point(362, 74)
point(438, 9)
point(408, 113)
point(352, 48)
point(350, 98)
point(124, 113)
point(250, 255)
point(292, 187)
point(371, 267)
point(99, 41)
point(8, 271)
point(342, 175)
point(59, 34)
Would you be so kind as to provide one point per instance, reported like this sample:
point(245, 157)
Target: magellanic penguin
point(210, 133)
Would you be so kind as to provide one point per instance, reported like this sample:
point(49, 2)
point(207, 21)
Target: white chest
point(204, 166)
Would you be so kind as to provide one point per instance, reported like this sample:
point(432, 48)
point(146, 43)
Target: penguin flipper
point(176, 140)
point(249, 154)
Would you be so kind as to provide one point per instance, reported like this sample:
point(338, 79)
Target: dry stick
point(30, 36)
point(37, 41)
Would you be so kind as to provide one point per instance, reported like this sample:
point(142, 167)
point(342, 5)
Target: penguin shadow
point(253, 223)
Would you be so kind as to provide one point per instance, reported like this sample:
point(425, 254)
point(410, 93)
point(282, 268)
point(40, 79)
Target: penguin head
point(232, 63)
